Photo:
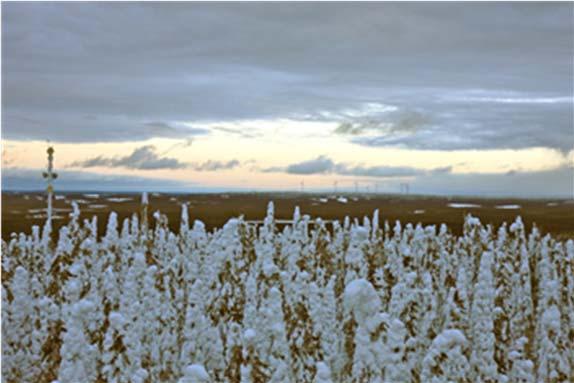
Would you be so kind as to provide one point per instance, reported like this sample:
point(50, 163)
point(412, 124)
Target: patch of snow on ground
point(419, 212)
point(507, 207)
point(552, 204)
point(342, 200)
point(461, 205)
point(119, 199)
point(60, 197)
point(97, 206)
point(323, 200)
point(44, 216)
point(92, 195)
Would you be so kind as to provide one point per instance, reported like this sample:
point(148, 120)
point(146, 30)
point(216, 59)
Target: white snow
point(117, 320)
point(249, 335)
point(195, 373)
point(507, 207)
point(448, 338)
point(44, 216)
point(119, 199)
point(93, 196)
point(361, 299)
point(359, 233)
point(323, 373)
point(342, 200)
point(462, 205)
point(97, 206)
point(35, 211)
point(419, 211)
point(269, 268)
point(365, 301)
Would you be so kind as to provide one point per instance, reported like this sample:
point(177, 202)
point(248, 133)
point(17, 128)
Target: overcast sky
point(450, 97)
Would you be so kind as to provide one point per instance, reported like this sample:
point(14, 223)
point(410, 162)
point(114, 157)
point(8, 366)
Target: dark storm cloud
point(325, 165)
point(143, 158)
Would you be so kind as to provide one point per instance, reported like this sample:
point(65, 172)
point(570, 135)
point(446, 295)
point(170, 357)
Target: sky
point(451, 98)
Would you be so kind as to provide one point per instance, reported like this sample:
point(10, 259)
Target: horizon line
point(295, 192)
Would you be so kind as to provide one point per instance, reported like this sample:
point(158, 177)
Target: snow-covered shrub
point(358, 301)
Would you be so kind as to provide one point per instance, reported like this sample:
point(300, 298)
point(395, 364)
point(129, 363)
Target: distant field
point(21, 210)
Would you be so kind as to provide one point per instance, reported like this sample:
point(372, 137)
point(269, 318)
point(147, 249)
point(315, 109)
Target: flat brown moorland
point(23, 209)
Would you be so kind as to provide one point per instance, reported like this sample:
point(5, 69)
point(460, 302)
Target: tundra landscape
point(287, 192)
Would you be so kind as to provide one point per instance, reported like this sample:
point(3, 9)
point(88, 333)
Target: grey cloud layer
point(325, 165)
point(83, 72)
point(318, 165)
point(70, 180)
point(143, 158)
point(147, 158)
point(446, 120)
point(212, 166)
point(522, 184)
point(558, 182)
